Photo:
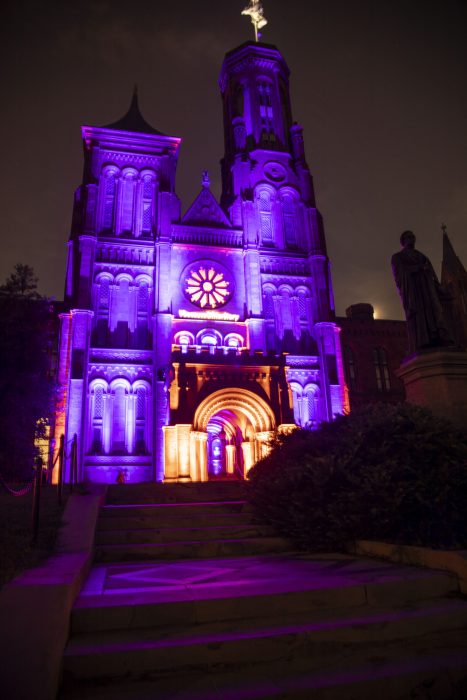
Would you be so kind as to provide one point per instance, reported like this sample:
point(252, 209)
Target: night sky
point(379, 86)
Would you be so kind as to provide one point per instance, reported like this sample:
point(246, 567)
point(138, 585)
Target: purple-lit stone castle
point(191, 340)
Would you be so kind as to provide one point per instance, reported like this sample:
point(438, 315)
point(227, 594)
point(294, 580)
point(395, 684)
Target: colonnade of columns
point(186, 453)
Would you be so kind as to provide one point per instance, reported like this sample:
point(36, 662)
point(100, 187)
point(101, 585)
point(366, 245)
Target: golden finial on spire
point(255, 10)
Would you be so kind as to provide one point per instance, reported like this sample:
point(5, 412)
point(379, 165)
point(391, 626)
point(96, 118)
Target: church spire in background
point(454, 281)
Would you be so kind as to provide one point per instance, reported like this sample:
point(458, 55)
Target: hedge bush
point(392, 473)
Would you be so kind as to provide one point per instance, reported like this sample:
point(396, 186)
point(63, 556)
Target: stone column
point(248, 449)
point(183, 449)
point(170, 456)
point(230, 461)
point(203, 456)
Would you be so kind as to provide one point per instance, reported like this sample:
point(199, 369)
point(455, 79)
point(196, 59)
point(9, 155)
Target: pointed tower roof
point(133, 120)
point(206, 210)
point(451, 265)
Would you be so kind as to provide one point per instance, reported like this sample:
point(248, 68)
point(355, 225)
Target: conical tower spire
point(133, 120)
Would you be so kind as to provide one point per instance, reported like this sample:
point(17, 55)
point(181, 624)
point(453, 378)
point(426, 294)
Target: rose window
point(207, 288)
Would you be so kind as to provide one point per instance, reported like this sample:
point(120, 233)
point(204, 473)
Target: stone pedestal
point(438, 380)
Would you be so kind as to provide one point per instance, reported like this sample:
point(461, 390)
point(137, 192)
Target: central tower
point(191, 340)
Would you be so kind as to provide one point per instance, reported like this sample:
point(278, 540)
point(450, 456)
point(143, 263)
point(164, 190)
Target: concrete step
point(163, 511)
point(177, 593)
point(158, 535)
point(190, 549)
point(172, 518)
point(173, 493)
point(431, 667)
point(203, 649)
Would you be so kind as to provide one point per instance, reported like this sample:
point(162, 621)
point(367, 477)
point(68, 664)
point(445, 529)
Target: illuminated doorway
point(238, 425)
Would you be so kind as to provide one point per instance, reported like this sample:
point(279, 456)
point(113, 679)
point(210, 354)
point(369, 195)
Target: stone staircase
point(191, 599)
point(181, 520)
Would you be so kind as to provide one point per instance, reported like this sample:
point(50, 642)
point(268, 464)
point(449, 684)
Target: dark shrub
point(393, 473)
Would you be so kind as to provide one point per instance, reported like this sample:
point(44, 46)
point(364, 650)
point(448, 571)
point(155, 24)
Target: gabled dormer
point(205, 210)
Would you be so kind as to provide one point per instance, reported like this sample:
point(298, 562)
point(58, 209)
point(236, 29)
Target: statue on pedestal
point(421, 295)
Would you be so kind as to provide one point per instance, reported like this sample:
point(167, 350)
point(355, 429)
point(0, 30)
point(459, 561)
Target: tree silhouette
point(25, 387)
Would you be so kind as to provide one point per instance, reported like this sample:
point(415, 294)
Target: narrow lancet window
point(110, 186)
point(266, 113)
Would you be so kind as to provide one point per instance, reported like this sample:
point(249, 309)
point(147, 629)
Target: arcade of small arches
point(279, 213)
point(208, 338)
point(119, 417)
point(126, 201)
point(288, 308)
point(306, 404)
point(122, 309)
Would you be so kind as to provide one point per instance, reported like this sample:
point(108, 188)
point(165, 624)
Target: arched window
point(97, 418)
point(380, 360)
point(104, 293)
point(127, 203)
point(350, 368)
point(285, 109)
point(286, 309)
point(266, 113)
point(101, 310)
point(184, 338)
point(264, 202)
point(208, 339)
point(120, 315)
point(289, 219)
point(110, 187)
point(233, 340)
point(268, 303)
point(147, 199)
point(142, 311)
point(313, 419)
point(237, 102)
point(119, 420)
point(140, 420)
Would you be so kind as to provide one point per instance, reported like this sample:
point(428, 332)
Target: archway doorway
point(238, 425)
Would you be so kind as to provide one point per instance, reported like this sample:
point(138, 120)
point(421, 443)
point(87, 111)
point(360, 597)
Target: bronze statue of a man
point(421, 294)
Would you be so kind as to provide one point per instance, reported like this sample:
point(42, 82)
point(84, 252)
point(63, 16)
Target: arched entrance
point(238, 425)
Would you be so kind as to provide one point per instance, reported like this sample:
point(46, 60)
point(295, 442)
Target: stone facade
point(190, 340)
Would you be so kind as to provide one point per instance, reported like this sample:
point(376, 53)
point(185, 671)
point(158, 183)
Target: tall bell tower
point(268, 191)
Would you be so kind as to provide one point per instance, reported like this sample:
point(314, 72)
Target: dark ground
point(16, 550)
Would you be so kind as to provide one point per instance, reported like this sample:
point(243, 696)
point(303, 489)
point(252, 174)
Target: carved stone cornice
point(105, 355)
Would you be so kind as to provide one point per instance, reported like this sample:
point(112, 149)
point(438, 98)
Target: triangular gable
point(206, 210)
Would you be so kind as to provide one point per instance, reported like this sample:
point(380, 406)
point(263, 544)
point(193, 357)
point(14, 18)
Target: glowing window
point(233, 342)
point(208, 340)
point(207, 287)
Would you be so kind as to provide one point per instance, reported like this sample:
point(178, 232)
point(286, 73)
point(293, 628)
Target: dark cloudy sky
point(380, 87)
